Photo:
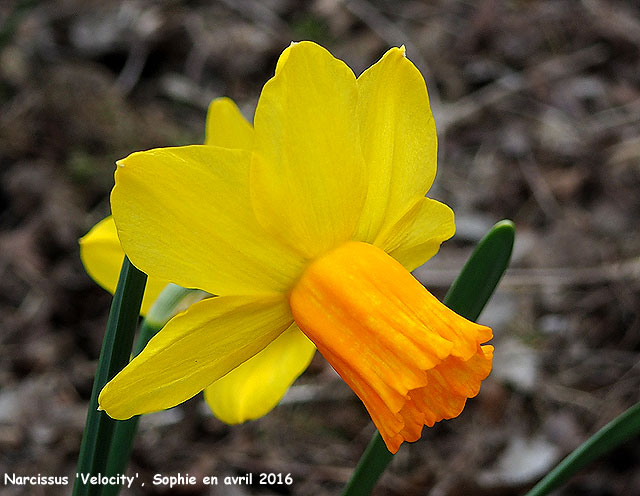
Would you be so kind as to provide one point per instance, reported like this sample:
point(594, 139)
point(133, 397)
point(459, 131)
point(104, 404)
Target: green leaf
point(116, 349)
point(169, 301)
point(479, 277)
point(621, 429)
point(467, 296)
point(125, 430)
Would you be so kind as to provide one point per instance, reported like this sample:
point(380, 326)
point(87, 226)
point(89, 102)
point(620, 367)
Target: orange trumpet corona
point(410, 359)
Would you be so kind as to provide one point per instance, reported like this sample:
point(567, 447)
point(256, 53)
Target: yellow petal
point(102, 258)
point(417, 236)
point(307, 177)
point(410, 359)
point(227, 127)
point(184, 214)
point(193, 350)
point(254, 388)
point(284, 56)
point(398, 137)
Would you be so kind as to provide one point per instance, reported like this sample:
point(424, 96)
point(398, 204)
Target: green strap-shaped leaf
point(116, 349)
point(165, 307)
point(479, 277)
point(612, 435)
point(125, 430)
point(467, 296)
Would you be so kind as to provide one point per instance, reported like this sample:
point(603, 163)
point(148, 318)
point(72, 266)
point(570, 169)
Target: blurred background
point(537, 105)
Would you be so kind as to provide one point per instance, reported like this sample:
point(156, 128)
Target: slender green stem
point(171, 300)
point(125, 430)
point(621, 429)
point(467, 296)
point(114, 355)
point(373, 462)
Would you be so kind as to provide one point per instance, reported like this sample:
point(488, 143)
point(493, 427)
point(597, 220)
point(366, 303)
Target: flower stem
point(116, 349)
point(467, 296)
point(374, 461)
point(170, 301)
point(125, 430)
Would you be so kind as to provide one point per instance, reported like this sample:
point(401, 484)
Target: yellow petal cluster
point(306, 225)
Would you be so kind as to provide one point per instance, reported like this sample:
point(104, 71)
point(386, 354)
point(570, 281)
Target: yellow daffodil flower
point(102, 258)
point(306, 225)
point(254, 388)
